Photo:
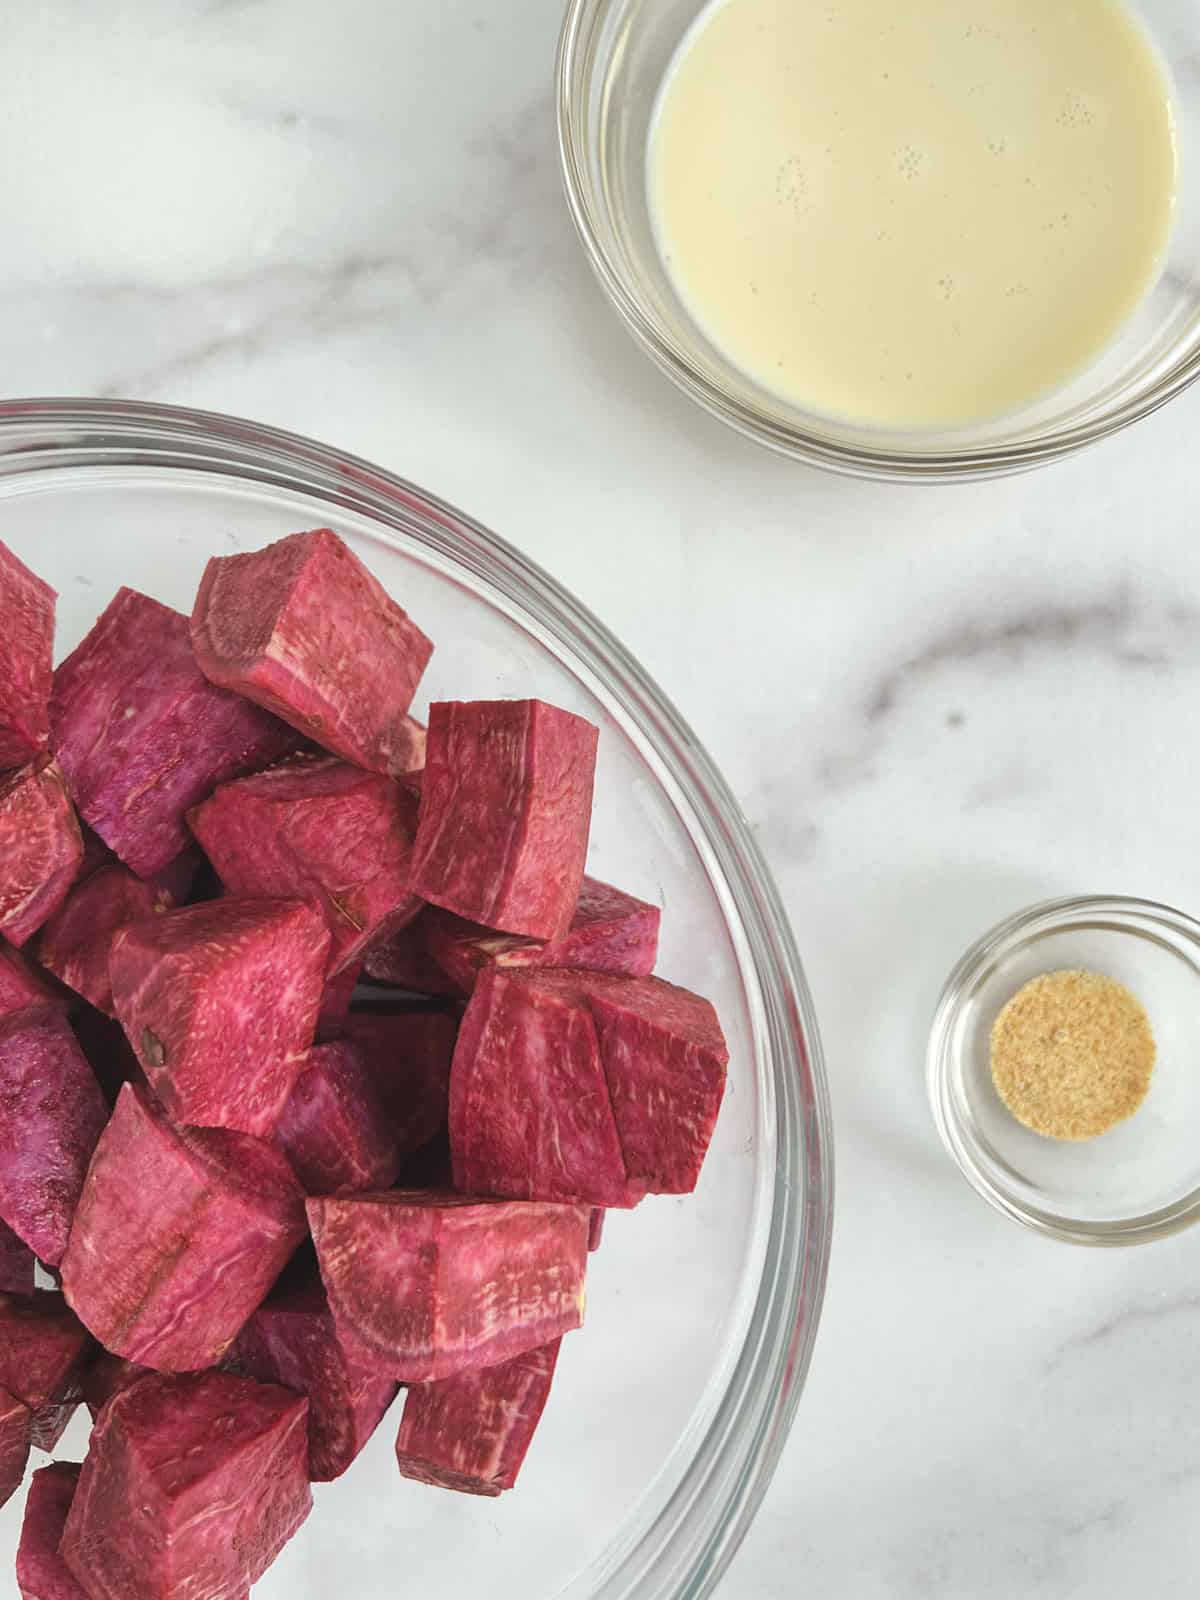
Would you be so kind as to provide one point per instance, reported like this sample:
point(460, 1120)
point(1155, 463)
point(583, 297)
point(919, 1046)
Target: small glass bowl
point(1140, 1180)
point(612, 60)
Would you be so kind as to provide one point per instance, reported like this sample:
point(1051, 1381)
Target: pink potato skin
point(40, 848)
point(52, 1112)
point(423, 1286)
point(399, 958)
point(290, 1340)
point(333, 1129)
point(610, 932)
point(15, 1424)
point(506, 805)
point(408, 1055)
point(178, 1236)
point(305, 630)
point(472, 1433)
point(220, 1003)
point(26, 661)
point(22, 986)
point(43, 1351)
point(314, 828)
point(75, 942)
point(42, 1574)
point(142, 735)
point(191, 1487)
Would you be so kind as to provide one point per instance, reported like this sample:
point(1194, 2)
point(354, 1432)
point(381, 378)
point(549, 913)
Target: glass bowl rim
point(1045, 917)
point(684, 1552)
point(952, 465)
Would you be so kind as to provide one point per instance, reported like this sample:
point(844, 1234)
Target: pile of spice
point(1072, 1054)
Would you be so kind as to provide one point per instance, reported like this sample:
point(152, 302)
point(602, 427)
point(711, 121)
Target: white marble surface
point(936, 705)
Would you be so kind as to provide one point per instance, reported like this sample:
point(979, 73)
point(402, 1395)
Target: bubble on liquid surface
point(791, 184)
point(911, 162)
point(1076, 112)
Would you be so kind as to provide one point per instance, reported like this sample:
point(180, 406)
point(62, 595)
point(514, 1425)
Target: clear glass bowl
point(1141, 1179)
point(672, 1405)
point(612, 58)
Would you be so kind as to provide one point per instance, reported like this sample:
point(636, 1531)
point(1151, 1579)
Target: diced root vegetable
point(334, 1130)
point(336, 1002)
point(22, 986)
point(314, 828)
point(142, 735)
point(291, 1340)
point(16, 1263)
point(192, 1485)
point(178, 1236)
point(610, 932)
point(52, 1112)
point(548, 1062)
point(26, 661)
point(398, 957)
point(423, 1286)
point(472, 1432)
point(75, 942)
point(106, 1376)
point(40, 848)
point(596, 1229)
point(304, 629)
point(408, 1055)
point(42, 1574)
point(43, 1352)
point(220, 1002)
point(16, 1423)
point(506, 806)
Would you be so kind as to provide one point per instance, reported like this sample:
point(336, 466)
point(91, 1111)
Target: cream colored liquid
point(914, 213)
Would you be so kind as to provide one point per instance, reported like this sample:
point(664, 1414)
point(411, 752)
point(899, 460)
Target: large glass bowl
point(612, 59)
point(672, 1404)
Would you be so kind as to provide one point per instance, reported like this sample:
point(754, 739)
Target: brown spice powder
point(1072, 1054)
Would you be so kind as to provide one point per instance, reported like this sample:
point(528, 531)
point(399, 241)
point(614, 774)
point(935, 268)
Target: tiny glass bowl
point(1141, 1179)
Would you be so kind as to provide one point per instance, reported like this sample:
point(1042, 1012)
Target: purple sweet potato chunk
point(109, 1375)
point(220, 1002)
point(40, 848)
point(423, 1286)
point(408, 1055)
point(528, 1053)
point(16, 1263)
point(42, 1574)
point(506, 807)
point(334, 1130)
point(109, 1053)
point(290, 1340)
point(75, 942)
point(43, 1351)
point(22, 986)
point(398, 957)
point(142, 734)
point(473, 1432)
point(610, 932)
point(52, 1112)
point(26, 661)
point(191, 1487)
point(16, 1422)
point(336, 1002)
point(304, 629)
point(178, 1236)
point(314, 828)
point(178, 878)
point(530, 1115)
point(596, 1229)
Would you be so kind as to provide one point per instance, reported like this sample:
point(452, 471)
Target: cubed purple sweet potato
point(423, 1286)
point(52, 1112)
point(548, 1062)
point(26, 661)
point(42, 1574)
point(610, 932)
point(22, 986)
point(75, 942)
point(408, 1055)
point(506, 808)
point(304, 629)
point(16, 1422)
point(398, 958)
point(178, 1236)
point(40, 848)
point(314, 828)
point(333, 1129)
point(596, 1229)
point(336, 1002)
point(44, 1349)
point(106, 1376)
point(530, 1112)
point(220, 1002)
point(191, 1487)
point(290, 1340)
point(179, 877)
point(17, 1260)
point(473, 1432)
point(142, 734)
